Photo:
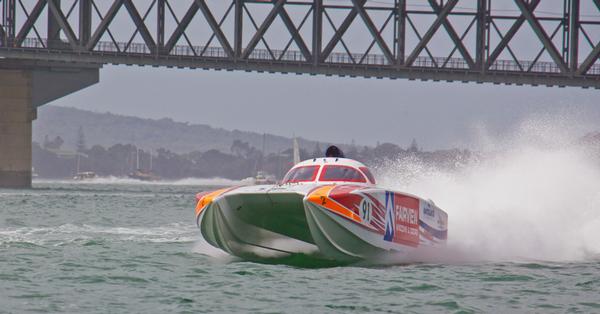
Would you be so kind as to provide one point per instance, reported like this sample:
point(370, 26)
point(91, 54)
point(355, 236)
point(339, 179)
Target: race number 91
point(366, 210)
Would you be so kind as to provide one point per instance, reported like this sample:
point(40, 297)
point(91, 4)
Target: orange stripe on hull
point(320, 196)
point(204, 199)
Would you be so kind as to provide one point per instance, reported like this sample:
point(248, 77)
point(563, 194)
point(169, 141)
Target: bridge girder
point(478, 40)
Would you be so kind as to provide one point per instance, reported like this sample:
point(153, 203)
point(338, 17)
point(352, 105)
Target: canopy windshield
point(341, 173)
point(302, 174)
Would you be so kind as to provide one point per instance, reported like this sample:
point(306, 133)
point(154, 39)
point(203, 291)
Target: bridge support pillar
point(21, 92)
point(16, 114)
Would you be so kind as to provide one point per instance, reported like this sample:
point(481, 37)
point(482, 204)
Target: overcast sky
point(331, 109)
point(438, 115)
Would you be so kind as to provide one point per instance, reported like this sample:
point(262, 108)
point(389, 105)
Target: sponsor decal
point(389, 217)
point(427, 210)
point(402, 219)
point(433, 234)
point(442, 222)
point(392, 215)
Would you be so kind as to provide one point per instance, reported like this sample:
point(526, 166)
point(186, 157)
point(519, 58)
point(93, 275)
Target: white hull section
point(250, 225)
point(343, 240)
point(337, 238)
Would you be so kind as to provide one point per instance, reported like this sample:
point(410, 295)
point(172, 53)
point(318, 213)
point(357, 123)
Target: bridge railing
point(297, 56)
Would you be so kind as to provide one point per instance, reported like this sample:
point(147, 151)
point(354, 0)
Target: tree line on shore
point(242, 161)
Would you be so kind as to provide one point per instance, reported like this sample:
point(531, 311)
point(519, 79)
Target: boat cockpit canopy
point(336, 171)
point(301, 174)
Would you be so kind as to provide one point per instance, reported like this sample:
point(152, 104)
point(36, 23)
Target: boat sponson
point(281, 213)
point(333, 237)
point(219, 232)
point(238, 225)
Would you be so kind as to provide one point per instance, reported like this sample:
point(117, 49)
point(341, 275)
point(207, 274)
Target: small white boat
point(86, 175)
point(330, 208)
point(263, 178)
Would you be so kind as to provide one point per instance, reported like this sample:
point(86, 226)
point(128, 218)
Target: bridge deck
point(291, 61)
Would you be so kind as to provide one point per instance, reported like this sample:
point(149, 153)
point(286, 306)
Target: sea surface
point(134, 248)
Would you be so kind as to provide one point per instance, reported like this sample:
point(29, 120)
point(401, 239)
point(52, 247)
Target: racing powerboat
point(330, 208)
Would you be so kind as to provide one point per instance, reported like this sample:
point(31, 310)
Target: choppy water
point(126, 248)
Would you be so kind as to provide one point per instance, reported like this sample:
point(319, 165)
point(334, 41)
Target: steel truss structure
point(480, 40)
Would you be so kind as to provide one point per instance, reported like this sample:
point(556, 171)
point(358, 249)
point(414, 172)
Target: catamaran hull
point(253, 226)
point(338, 238)
point(344, 223)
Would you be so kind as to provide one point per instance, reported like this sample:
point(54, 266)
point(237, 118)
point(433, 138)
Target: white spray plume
point(535, 197)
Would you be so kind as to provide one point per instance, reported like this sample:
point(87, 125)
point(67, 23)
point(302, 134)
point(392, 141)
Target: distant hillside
point(107, 129)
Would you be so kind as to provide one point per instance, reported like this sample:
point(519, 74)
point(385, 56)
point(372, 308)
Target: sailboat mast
point(296, 151)
point(137, 156)
point(78, 161)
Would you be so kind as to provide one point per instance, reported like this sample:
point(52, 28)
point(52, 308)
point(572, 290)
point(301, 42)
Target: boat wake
point(296, 260)
point(536, 198)
point(71, 233)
